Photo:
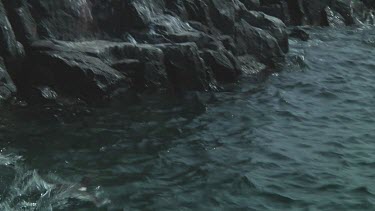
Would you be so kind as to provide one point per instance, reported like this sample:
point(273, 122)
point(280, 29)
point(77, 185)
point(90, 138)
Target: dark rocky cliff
point(90, 49)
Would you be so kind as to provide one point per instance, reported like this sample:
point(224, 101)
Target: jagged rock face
point(182, 45)
point(223, 15)
point(271, 24)
point(69, 68)
point(223, 65)
point(254, 41)
point(186, 69)
point(208, 36)
point(63, 19)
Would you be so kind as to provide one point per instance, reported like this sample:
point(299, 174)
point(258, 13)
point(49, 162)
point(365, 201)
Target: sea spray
point(30, 190)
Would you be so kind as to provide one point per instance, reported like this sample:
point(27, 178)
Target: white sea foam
point(30, 190)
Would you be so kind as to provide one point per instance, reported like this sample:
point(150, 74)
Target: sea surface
point(301, 139)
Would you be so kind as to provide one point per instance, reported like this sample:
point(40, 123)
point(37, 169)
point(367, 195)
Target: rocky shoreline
point(92, 50)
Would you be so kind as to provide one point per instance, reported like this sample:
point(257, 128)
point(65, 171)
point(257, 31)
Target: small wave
point(326, 94)
point(10, 159)
point(278, 197)
point(362, 190)
point(330, 187)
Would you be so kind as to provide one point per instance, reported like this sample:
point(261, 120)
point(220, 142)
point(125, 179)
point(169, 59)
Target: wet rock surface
point(75, 74)
point(223, 64)
point(90, 48)
point(185, 68)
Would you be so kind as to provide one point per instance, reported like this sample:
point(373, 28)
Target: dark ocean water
point(303, 139)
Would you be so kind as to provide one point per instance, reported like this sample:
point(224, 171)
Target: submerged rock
point(42, 94)
point(299, 33)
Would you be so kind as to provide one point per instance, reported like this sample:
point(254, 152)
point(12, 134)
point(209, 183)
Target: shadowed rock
point(186, 69)
point(142, 64)
point(251, 4)
point(74, 74)
point(23, 23)
point(10, 48)
point(369, 3)
point(271, 24)
point(223, 64)
point(7, 87)
point(257, 42)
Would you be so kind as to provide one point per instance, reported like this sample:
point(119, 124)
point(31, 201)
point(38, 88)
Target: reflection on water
point(303, 139)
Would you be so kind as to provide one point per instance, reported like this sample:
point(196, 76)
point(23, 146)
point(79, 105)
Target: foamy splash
point(30, 190)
